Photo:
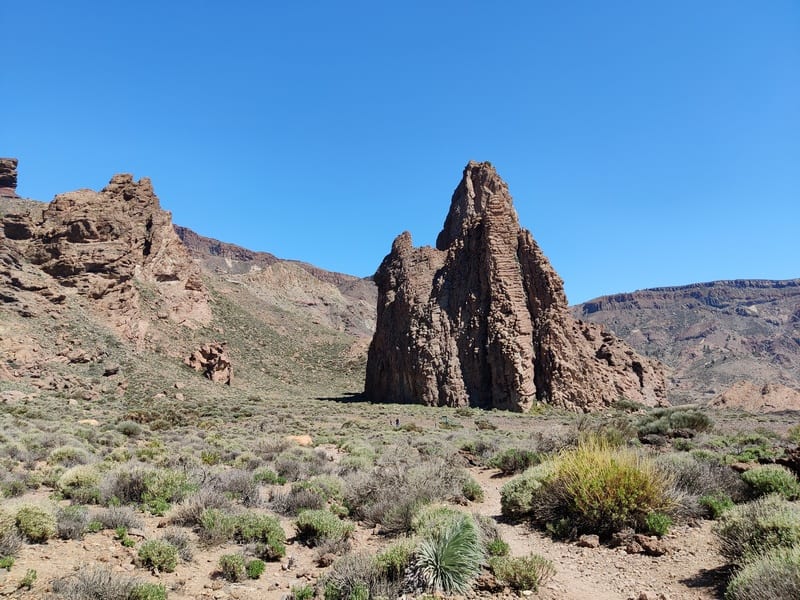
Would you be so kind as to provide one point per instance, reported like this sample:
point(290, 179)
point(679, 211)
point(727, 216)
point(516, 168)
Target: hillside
point(711, 334)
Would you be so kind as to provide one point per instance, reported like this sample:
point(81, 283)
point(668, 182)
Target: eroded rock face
point(8, 177)
point(482, 320)
point(213, 362)
point(107, 245)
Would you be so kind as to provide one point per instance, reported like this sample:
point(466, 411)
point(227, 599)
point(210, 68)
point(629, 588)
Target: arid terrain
point(159, 385)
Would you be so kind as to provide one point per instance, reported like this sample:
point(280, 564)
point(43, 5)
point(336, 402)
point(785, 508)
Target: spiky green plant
point(449, 560)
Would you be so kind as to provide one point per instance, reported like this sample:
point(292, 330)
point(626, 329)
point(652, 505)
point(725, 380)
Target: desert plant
point(356, 577)
point(394, 560)
point(238, 485)
point(601, 489)
point(232, 567)
point(522, 572)
point(315, 526)
point(675, 421)
point(93, 583)
point(771, 576)
point(302, 592)
point(268, 476)
point(158, 555)
point(769, 479)
point(147, 591)
point(657, 523)
point(497, 547)
point(129, 428)
point(254, 568)
point(6, 562)
point(434, 518)
point(28, 579)
point(180, 539)
point(264, 530)
point(514, 460)
point(449, 560)
point(716, 504)
point(10, 540)
point(758, 527)
point(472, 490)
point(35, 524)
point(518, 496)
point(118, 516)
point(217, 526)
point(71, 522)
point(80, 483)
point(188, 512)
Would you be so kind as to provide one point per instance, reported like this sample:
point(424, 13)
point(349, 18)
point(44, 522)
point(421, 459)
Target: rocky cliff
point(482, 320)
point(104, 246)
point(8, 177)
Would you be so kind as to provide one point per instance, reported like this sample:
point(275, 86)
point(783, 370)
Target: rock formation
point(482, 320)
point(8, 177)
point(107, 246)
point(212, 360)
point(770, 397)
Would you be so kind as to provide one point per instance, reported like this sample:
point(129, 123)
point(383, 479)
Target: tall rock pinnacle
point(482, 320)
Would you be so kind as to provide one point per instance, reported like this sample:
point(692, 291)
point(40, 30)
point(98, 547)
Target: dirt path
point(685, 573)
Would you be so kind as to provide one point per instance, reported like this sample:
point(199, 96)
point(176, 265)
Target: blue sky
point(645, 143)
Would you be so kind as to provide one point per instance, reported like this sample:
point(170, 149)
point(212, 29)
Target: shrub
point(449, 560)
point(434, 518)
point(35, 524)
point(71, 522)
point(238, 485)
point(147, 591)
point(28, 580)
point(356, 577)
point(771, 576)
point(164, 487)
point(315, 526)
point(188, 512)
point(302, 592)
point(769, 479)
point(268, 476)
point(81, 483)
point(758, 527)
point(254, 568)
point(100, 582)
point(180, 539)
point(6, 562)
point(601, 489)
point(497, 548)
point(702, 477)
point(522, 572)
point(298, 463)
point(518, 496)
point(657, 523)
point(68, 456)
point(393, 561)
point(217, 526)
point(472, 490)
point(716, 504)
point(514, 460)
point(264, 530)
point(10, 540)
point(158, 555)
point(676, 421)
point(232, 567)
point(129, 428)
point(118, 516)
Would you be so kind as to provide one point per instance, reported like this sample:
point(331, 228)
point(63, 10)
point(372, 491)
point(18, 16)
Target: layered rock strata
point(482, 320)
point(107, 247)
point(8, 177)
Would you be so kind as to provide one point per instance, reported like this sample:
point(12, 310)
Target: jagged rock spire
point(482, 320)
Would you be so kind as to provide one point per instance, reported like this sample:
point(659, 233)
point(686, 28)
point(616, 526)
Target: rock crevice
point(482, 320)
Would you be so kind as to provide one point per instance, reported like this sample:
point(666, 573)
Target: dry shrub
point(118, 516)
point(771, 576)
point(189, 510)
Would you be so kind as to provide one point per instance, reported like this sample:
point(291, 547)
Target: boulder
point(212, 360)
point(482, 320)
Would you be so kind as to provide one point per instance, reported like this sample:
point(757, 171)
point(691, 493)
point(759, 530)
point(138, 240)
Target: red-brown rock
point(8, 177)
point(213, 361)
point(482, 320)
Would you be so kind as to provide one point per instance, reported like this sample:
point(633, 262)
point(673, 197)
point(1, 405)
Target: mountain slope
point(711, 334)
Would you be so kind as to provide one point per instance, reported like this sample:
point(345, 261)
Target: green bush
point(35, 524)
point(758, 527)
point(716, 504)
point(6, 562)
point(601, 489)
point(514, 460)
point(657, 523)
point(522, 572)
point(268, 476)
point(81, 483)
point(147, 591)
point(498, 547)
point(771, 576)
point(472, 490)
point(517, 497)
point(164, 487)
point(254, 568)
point(158, 555)
point(302, 592)
point(316, 526)
point(434, 518)
point(28, 580)
point(448, 561)
point(674, 421)
point(232, 567)
point(264, 530)
point(394, 560)
point(769, 479)
point(217, 526)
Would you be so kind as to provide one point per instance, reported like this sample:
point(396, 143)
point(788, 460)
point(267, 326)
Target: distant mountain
point(712, 334)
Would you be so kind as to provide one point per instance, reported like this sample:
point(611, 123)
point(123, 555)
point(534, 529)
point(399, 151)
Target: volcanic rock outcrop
point(105, 246)
point(482, 320)
point(8, 177)
point(212, 361)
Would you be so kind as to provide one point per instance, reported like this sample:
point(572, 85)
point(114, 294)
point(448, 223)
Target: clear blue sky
point(645, 143)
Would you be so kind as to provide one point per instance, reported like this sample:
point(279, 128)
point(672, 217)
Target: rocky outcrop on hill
point(482, 320)
point(770, 397)
point(8, 177)
point(713, 334)
point(105, 246)
point(212, 361)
